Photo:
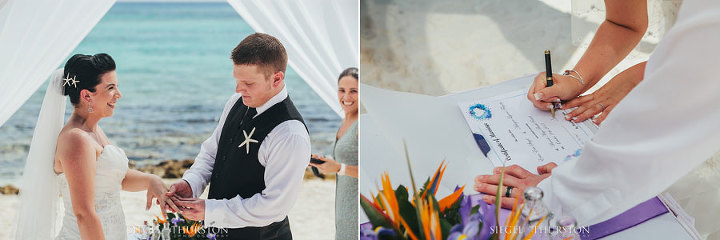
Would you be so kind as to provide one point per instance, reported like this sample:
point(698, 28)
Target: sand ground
point(312, 217)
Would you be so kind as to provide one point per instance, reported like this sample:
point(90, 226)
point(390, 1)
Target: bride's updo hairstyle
point(86, 70)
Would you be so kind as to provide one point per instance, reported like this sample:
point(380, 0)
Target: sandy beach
point(440, 47)
point(312, 217)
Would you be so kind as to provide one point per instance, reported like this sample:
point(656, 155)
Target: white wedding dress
point(112, 164)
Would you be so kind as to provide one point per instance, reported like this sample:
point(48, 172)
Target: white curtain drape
point(35, 37)
point(321, 37)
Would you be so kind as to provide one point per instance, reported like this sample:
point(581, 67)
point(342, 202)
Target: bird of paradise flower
point(420, 217)
point(394, 216)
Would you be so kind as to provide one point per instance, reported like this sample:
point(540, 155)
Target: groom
point(257, 155)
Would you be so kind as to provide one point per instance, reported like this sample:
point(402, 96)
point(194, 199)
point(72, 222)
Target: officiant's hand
point(516, 177)
point(330, 166)
point(563, 88)
point(193, 208)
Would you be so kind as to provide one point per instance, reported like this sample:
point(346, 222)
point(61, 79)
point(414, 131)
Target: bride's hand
point(602, 101)
point(564, 88)
point(157, 189)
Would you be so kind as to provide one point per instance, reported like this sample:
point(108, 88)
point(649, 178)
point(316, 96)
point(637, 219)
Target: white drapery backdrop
point(321, 37)
point(35, 37)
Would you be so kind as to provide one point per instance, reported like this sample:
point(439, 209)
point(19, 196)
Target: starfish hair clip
point(69, 81)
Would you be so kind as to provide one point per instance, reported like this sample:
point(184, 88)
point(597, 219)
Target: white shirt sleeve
point(668, 124)
point(285, 153)
point(200, 172)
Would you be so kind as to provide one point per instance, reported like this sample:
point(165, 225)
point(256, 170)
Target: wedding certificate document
point(509, 128)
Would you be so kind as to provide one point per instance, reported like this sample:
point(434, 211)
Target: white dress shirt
point(665, 127)
point(285, 153)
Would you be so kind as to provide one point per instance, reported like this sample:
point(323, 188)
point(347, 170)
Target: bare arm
point(625, 23)
point(136, 181)
point(78, 158)
point(604, 99)
point(351, 171)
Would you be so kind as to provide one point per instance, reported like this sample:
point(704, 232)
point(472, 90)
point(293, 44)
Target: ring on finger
point(602, 106)
point(508, 191)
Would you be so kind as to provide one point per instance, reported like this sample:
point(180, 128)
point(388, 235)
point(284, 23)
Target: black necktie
point(249, 114)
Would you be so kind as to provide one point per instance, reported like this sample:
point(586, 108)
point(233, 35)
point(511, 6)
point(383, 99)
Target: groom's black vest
point(239, 173)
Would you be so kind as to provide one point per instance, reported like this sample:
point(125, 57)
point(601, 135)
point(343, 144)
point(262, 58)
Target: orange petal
point(409, 231)
point(535, 228)
point(390, 198)
point(436, 224)
point(449, 200)
point(440, 177)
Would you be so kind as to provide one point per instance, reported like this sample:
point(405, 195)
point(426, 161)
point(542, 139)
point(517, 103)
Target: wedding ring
point(508, 192)
point(602, 106)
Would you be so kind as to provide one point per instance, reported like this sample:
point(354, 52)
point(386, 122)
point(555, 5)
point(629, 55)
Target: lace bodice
point(112, 164)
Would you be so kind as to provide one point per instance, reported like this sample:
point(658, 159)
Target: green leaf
point(401, 193)
point(416, 196)
point(498, 197)
point(376, 217)
point(407, 211)
point(452, 213)
point(423, 189)
point(475, 209)
point(445, 227)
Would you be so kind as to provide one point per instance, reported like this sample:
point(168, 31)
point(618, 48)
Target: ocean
point(175, 73)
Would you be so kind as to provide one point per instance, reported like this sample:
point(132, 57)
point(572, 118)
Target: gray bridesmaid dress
point(346, 190)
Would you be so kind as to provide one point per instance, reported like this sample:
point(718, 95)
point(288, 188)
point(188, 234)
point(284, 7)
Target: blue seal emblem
point(480, 112)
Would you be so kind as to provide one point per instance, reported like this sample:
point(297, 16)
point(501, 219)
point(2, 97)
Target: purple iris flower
point(470, 224)
point(176, 220)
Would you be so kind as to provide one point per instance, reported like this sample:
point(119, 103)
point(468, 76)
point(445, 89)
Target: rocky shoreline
point(165, 169)
point(9, 189)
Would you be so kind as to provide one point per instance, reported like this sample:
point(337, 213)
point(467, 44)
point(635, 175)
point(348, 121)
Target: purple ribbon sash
point(630, 218)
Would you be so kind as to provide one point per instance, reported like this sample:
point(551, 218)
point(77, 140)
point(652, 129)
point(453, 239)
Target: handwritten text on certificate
point(519, 133)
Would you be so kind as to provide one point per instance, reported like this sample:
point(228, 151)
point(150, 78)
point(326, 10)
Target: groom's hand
point(180, 188)
point(516, 177)
point(193, 208)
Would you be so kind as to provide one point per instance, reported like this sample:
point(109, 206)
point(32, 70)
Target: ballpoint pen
point(548, 78)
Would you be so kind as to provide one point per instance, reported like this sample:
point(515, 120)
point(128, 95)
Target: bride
point(79, 159)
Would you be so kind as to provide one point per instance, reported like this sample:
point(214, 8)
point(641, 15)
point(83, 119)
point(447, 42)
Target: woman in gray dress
point(344, 161)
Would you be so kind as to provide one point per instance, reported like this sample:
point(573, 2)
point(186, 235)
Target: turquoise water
point(175, 73)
